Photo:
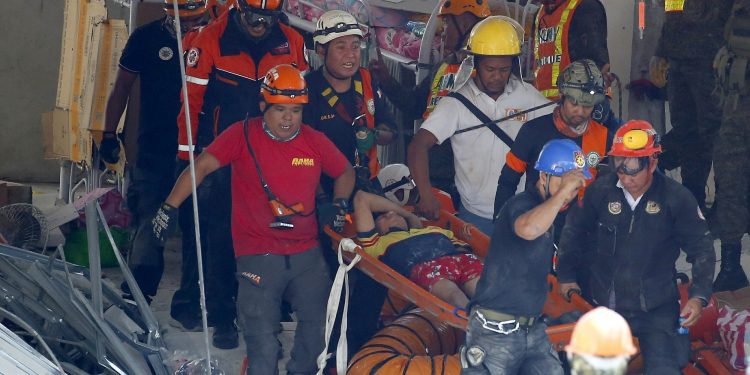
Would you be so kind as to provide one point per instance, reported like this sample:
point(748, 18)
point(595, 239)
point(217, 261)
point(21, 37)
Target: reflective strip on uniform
point(558, 42)
point(674, 5)
point(197, 81)
point(186, 148)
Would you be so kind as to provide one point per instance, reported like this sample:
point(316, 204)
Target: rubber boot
point(731, 276)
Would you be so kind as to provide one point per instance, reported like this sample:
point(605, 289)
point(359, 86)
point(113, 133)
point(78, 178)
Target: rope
point(340, 285)
point(194, 195)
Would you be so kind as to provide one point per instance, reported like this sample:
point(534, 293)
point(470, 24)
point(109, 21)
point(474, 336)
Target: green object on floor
point(76, 247)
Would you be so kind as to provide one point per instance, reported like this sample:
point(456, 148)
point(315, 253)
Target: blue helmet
point(560, 156)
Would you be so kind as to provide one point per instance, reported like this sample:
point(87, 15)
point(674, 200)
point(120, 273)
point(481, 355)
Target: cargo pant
point(732, 170)
point(695, 117)
point(264, 280)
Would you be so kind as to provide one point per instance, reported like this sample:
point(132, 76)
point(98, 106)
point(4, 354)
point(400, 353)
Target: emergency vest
point(674, 5)
point(551, 53)
point(223, 80)
point(441, 85)
point(365, 102)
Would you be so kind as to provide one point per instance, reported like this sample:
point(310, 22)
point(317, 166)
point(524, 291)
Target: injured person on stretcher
point(431, 257)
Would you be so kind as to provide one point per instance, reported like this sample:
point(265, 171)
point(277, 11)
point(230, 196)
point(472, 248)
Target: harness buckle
point(498, 327)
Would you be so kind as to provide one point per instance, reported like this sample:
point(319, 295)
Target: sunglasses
point(628, 165)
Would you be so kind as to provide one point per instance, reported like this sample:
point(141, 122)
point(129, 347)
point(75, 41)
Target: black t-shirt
point(324, 118)
point(514, 279)
point(151, 52)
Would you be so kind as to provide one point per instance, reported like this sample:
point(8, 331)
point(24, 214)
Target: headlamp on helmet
point(284, 84)
point(335, 24)
point(582, 82)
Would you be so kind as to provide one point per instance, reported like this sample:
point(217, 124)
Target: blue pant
point(484, 225)
point(521, 352)
point(664, 351)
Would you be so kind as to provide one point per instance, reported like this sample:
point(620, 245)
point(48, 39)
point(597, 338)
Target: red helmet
point(634, 139)
point(284, 84)
point(256, 5)
point(187, 8)
point(218, 7)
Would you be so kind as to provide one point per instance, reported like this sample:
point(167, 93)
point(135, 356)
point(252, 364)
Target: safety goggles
point(628, 165)
point(255, 18)
point(285, 92)
point(340, 28)
point(404, 182)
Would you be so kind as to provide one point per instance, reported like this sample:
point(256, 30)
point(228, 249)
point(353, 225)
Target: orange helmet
point(187, 8)
point(218, 7)
point(284, 84)
point(260, 5)
point(601, 332)
point(634, 139)
point(478, 8)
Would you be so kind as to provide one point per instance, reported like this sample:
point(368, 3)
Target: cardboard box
point(56, 134)
point(737, 300)
point(11, 192)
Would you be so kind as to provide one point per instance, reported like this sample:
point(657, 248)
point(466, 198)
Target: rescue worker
point(567, 31)
point(224, 67)
point(344, 100)
point(581, 88)
point(732, 150)
point(601, 344)
point(494, 92)
point(637, 221)
point(459, 17)
point(505, 333)
point(690, 38)
point(151, 54)
point(276, 164)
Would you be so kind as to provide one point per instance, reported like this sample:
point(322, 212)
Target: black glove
point(341, 208)
point(164, 223)
point(109, 149)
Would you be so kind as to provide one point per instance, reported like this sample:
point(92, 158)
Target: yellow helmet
point(601, 332)
point(496, 36)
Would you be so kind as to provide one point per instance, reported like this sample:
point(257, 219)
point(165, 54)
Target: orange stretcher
point(708, 357)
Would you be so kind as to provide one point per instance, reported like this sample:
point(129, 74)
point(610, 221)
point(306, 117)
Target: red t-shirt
point(292, 170)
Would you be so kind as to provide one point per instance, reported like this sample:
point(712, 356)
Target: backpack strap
point(483, 118)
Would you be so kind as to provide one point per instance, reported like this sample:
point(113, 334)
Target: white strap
point(197, 81)
point(341, 280)
point(185, 148)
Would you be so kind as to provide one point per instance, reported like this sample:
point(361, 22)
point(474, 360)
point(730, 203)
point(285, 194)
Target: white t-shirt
point(479, 155)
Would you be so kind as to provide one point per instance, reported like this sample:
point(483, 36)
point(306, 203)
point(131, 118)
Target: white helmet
point(397, 183)
point(334, 24)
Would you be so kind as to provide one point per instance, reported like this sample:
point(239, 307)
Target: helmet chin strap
point(277, 138)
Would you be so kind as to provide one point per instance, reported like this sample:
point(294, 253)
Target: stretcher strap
point(340, 284)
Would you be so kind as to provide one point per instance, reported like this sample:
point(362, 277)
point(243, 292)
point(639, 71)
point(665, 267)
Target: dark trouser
point(732, 169)
point(696, 117)
point(186, 300)
point(303, 280)
point(151, 183)
point(215, 204)
point(520, 352)
point(664, 351)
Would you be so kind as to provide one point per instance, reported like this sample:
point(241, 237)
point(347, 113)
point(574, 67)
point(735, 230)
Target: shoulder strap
point(483, 118)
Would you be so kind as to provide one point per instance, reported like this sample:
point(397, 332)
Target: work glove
point(164, 223)
point(109, 148)
point(341, 206)
point(657, 71)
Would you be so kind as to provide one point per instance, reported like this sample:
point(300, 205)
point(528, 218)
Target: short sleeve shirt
point(151, 52)
point(292, 170)
point(479, 155)
point(514, 279)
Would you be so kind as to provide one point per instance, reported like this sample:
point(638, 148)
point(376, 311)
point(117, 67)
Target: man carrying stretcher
point(431, 257)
